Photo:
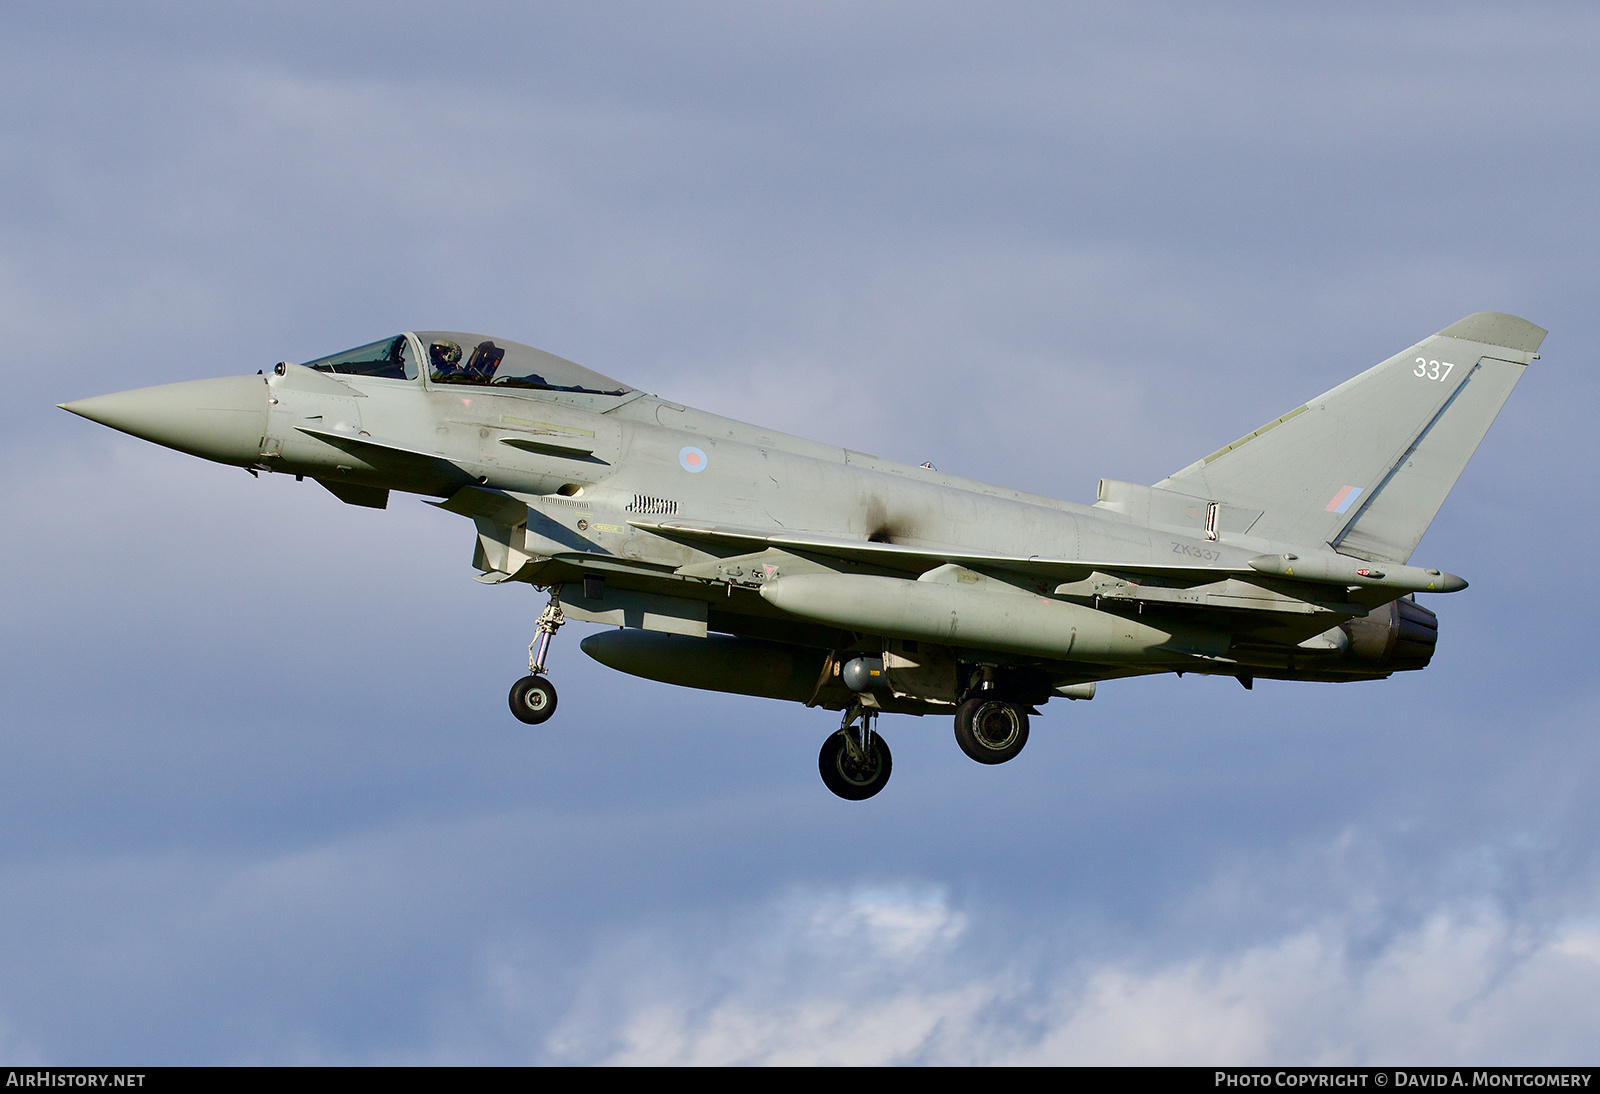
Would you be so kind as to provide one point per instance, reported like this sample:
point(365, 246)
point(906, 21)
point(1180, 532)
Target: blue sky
point(261, 800)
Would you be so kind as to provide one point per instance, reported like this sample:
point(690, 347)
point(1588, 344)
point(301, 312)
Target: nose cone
point(223, 420)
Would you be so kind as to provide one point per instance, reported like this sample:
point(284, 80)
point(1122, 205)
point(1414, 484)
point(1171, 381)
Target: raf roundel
point(692, 460)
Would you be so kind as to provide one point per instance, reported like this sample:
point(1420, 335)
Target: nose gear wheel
point(533, 699)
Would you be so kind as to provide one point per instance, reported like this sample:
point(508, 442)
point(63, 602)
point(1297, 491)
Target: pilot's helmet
point(446, 356)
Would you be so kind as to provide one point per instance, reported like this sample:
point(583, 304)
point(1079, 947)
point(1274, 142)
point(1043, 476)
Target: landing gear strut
point(989, 729)
point(855, 761)
point(533, 698)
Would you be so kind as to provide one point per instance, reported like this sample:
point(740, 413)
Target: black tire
point(850, 780)
point(989, 730)
point(533, 699)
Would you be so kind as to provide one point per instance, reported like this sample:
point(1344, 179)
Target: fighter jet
point(733, 558)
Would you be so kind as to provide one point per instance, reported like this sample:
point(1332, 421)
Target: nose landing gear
point(855, 761)
point(533, 698)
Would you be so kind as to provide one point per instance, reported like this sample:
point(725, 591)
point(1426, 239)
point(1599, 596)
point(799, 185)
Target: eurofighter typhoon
point(728, 557)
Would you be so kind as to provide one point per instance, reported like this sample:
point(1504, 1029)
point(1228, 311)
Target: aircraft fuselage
point(753, 561)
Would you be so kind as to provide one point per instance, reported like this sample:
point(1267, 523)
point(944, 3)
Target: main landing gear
point(991, 730)
point(855, 761)
point(533, 698)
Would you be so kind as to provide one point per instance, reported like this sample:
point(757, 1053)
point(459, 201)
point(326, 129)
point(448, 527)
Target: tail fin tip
point(1495, 328)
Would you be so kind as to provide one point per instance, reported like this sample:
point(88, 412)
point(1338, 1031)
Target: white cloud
point(887, 977)
point(799, 981)
point(1459, 988)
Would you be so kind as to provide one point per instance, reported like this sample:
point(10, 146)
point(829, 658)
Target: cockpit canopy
point(457, 358)
point(391, 359)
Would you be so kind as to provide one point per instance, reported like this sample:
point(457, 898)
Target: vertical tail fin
point(1366, 466)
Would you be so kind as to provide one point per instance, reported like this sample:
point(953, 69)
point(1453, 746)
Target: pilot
point(445, 359)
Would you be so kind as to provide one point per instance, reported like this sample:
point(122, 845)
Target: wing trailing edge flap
point(918, 560)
